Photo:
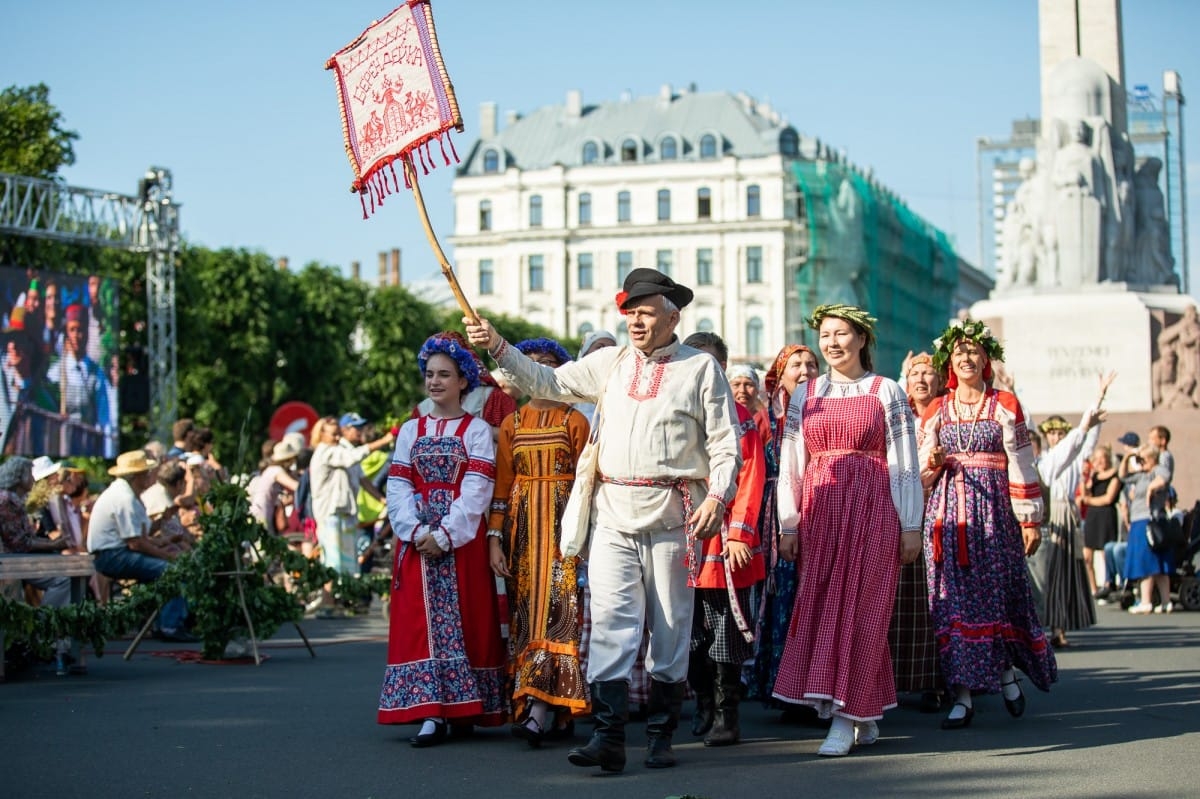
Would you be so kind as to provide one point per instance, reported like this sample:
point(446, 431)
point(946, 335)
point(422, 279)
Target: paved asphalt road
point(1123, 721)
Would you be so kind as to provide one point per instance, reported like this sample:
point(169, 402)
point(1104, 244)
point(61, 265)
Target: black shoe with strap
point(1015, 707)
point(957, 723)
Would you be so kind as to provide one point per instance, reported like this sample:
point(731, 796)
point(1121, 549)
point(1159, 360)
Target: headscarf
point(464, 357)
point(743, 370)
point(593, 337)
point(546, 346)
point(772, 380)
point(13, 470)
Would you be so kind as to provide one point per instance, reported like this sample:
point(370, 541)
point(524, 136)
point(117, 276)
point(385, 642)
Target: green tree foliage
point(513, 328)
point(33, 140)
point(394, 327)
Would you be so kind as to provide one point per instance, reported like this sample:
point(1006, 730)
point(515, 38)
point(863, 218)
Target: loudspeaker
point(134, 388)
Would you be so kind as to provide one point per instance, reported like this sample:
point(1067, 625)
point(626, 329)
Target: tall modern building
point(717, 190)
point(1155, 125)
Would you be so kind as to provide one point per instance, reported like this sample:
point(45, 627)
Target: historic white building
point(553, 210)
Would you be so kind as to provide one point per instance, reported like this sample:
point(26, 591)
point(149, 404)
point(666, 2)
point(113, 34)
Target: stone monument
point(1090, 283)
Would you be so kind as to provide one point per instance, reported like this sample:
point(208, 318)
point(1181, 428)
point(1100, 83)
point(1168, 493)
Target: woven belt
point(955, 468)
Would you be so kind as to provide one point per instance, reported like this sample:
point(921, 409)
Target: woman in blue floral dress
point(981, 521)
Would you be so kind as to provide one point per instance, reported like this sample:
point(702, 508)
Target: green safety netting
point(867, 247)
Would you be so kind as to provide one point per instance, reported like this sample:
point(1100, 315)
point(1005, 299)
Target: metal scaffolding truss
point(148, 223)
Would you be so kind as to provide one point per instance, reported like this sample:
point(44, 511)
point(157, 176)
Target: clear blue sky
point(233, 98)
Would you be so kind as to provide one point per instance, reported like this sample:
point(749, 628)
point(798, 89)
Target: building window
point(754, 265)
point(629, 151)
point(668, 149)
point(662, 262)
point(491, 162)
point(591, 152)
point(622, 333)
point(535, 211)
point(487, 277)
point(624, 266)
point(664, 205)
point(708, 146)
point(789, 142)
point(485, 215)
point(583, 273)
point(754, 337)
point(623, 206)
point(537, 273)
point(704, 275)
point(584, 329)
point(704, 204)
point(706, 326)
point(753, 201)
point(585, 208)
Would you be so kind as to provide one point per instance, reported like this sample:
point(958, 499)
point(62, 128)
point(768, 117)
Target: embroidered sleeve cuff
point(495, 534)
point(497, 352)
point(718, 498)
point(786, 531)
point(1031, 525)
point(439, 535)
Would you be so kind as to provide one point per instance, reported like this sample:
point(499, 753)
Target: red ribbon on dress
point(956, 464)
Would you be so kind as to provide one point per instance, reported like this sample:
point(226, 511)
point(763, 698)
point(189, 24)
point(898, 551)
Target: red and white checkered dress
point(848, 484)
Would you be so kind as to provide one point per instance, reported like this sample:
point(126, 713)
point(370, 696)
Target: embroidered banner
point(396, 100)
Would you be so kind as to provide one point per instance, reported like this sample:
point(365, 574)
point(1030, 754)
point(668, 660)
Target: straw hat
point(134, 462)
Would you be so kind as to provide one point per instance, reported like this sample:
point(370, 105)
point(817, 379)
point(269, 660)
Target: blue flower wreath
point(532, 346)
point(439, 344)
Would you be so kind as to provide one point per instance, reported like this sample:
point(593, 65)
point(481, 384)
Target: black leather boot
point(662, 717)
point(610, 709)
point(725, 730)
point(700, 678)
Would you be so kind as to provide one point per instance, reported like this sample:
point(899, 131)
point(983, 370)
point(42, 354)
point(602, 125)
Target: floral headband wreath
point(971, 330)
point(851, 313)
point(439, 344)
point(544, 346)
point(1055, 424)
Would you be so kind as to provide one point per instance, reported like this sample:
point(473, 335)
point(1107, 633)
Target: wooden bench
point(20, 566)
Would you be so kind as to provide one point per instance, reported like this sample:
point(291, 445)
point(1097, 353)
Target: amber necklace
point(968, 447)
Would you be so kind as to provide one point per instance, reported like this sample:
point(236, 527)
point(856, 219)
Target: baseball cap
point(1129, 439)
point(351, 420)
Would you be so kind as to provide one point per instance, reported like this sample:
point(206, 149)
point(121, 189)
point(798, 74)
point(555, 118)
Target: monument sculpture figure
point(1153, 263)
point(1022, 230)
point(1080, 198)
point(1180, 343)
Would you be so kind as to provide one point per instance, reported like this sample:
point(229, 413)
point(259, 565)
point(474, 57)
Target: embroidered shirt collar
point(662, 353)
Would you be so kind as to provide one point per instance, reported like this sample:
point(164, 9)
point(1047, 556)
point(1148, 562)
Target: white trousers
point(636, 580)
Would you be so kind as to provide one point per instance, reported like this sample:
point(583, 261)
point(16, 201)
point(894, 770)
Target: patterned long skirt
point(1069, 604)
point(911, 638)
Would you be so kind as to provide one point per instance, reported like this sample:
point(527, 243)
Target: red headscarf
point(773, 374)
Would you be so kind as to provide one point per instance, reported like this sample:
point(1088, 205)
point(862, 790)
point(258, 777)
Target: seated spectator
point(120, 538)
point(161, 507)
point(18, 533)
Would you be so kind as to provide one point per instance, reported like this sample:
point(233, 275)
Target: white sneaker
point(865, 733)
point(1171, 607)
point(1141, 609)
point(836, 744)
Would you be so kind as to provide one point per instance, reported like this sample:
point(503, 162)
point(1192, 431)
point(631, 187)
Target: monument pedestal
point(1056, 345)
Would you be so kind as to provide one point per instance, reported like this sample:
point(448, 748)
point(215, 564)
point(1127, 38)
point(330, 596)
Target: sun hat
point(284, 451)
point(134, 462)
point(43, 467)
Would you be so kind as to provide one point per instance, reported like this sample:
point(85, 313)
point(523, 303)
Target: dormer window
point(708, 146)
point(668, 149)
point(629, 151)
point(491, 162)
point(591, 152)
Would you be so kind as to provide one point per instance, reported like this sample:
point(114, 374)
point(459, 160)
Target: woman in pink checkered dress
point(850, 507)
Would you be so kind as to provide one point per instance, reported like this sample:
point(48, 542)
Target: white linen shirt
point(117, 515)
point(663, 417)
